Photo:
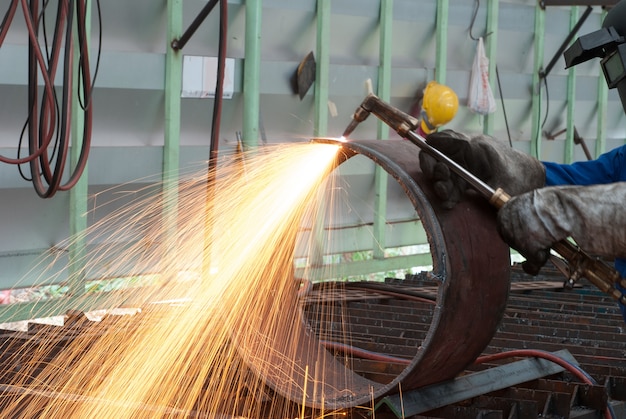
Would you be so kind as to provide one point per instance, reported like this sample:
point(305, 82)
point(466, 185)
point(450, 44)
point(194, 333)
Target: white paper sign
point(200, 77)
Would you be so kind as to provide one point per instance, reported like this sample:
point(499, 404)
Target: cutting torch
point(579, 264)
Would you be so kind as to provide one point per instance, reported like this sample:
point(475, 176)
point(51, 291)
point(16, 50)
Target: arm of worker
point(593, 216)
point(608, 168)
point(489, 159)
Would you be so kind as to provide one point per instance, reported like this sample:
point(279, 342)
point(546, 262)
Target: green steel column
point(491, 50)
point(442, 41)
point(603, 94)
point(251, 75)
point(171, 148)
point(571, 99)
point(535, 120)
point(384, 92)
point(323, 68)
point(79, 194)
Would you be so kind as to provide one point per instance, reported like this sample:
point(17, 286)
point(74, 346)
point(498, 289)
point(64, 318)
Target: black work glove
point(492, 161)
point(593, 216)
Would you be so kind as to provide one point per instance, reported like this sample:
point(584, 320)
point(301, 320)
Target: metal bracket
point(432, 397)
point(603, 3)
point(543, 74)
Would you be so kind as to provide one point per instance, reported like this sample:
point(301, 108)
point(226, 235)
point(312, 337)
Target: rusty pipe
point(473, 264)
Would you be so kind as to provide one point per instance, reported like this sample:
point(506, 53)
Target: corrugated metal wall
point(128, 134)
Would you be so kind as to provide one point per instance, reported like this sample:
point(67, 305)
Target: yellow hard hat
point(439, 105)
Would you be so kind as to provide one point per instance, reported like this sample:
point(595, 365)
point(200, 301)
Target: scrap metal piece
point(462, 388)
point(304, 75)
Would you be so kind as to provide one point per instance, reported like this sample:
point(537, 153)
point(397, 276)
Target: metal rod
point(565, 43)
point(179, 43)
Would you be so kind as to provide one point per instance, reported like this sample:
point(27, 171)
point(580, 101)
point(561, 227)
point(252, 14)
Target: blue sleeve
point(609, 167)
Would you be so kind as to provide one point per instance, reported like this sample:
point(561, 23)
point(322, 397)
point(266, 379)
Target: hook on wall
point(474, 14)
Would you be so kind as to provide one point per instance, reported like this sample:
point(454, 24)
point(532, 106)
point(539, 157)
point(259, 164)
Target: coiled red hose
point(48, 123)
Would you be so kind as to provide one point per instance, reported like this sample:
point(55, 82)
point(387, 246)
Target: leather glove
point(593, 216)
point(492, 161)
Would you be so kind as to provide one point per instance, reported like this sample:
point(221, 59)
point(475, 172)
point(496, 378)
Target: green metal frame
point(571, 97)
point(251, 75)
point(79, 194)
point(323, 68)
point(171, 149)
point(384, 92)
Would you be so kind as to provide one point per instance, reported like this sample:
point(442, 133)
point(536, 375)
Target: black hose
point(48, 125)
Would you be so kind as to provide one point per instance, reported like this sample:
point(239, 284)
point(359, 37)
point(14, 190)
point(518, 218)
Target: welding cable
point(87, 88)
point(535, 353)
point(40, 165)
point(48, 128)
point(48, 86)
point(362, 353)
point(392, 291)
point(219, 87)
point(6, 21)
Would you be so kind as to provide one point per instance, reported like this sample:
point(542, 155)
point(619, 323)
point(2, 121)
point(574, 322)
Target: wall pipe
point(441, 61)
point(384, 91)
point(219, 88)
point(251, 74)
point(535, 130)
point(571, 90)
point(603, 95)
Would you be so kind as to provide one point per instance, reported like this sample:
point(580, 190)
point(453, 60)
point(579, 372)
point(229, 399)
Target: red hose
point(543, 355)
point(48, 120)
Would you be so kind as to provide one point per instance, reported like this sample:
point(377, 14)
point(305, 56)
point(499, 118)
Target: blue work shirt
point(610, 167)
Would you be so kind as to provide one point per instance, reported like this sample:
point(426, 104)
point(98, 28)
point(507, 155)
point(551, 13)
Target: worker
point(550, 201)
point(437, 107)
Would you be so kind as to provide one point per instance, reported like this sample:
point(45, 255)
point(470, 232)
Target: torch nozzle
point(359, 116)
point(351, 127)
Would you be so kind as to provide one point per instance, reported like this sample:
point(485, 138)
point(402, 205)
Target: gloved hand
point(593, 216)
point(492, 161)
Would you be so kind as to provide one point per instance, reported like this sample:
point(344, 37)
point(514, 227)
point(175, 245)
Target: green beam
point(384, 92)
point(79, 194)
point(251, 75)
point(364, 267)
point(171, 147)
point(442, 41)
point(491, 50)
point(535, 120)
point(323, 68)
point(571, 99)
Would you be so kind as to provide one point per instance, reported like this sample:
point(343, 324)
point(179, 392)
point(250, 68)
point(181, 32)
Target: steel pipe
point(474, 266)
